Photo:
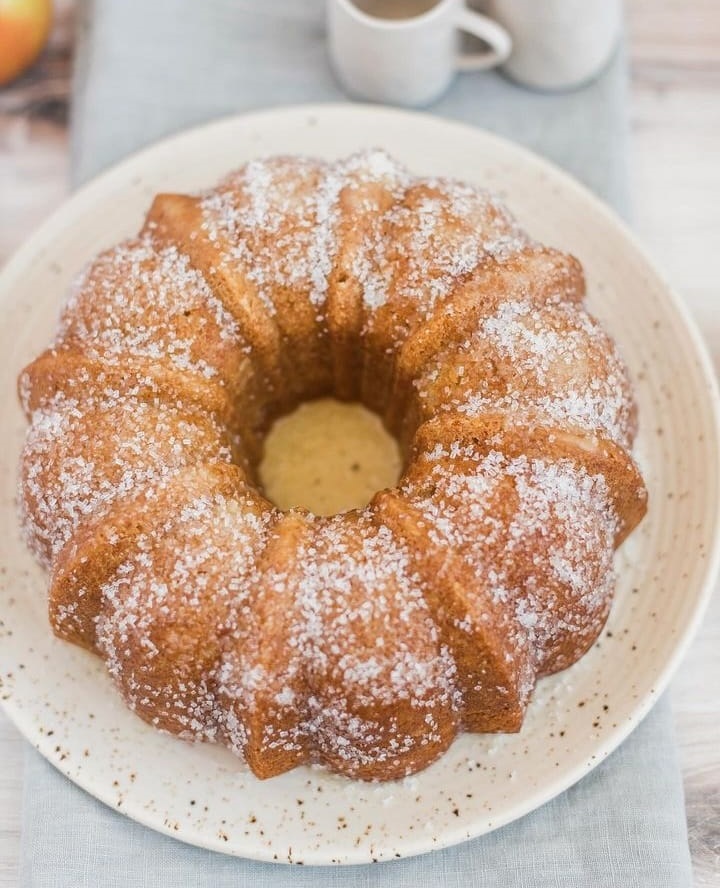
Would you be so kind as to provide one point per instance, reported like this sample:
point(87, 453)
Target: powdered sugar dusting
point(170, 609)
point(291, 637)
point(275, 221)
point(279, 230)
point(81, 456)
point(549, 365)
point(540, 535)
point(436, 233)
point(365, 653)
point(148, 302)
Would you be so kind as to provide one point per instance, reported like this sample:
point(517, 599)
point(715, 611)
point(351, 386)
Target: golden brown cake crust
point(367, 640)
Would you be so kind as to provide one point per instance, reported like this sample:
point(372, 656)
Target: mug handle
point(486, 29)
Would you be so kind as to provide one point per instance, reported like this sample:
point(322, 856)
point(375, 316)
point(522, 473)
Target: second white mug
point(406, 52)
point(558, 44)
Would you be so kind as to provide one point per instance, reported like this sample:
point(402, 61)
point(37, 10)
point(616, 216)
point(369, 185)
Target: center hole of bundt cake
point(328, 457)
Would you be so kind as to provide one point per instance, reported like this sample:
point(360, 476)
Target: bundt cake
point(366, 640)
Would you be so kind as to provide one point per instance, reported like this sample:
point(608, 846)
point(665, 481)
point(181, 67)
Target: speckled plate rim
point(89, 195)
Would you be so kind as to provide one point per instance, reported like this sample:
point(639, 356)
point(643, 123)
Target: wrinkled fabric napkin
point(145, 70)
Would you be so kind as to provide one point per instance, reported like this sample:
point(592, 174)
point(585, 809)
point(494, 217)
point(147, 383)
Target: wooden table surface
point(675, 166)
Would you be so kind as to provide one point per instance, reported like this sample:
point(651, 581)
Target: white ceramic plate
point(60, 697)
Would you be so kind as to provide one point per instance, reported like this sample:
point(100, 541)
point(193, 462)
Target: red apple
point(24, 29)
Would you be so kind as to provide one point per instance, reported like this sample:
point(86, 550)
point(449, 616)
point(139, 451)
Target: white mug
point(405, 52)
point(558, 44)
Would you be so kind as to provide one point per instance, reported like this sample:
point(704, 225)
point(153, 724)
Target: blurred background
point(674, 47)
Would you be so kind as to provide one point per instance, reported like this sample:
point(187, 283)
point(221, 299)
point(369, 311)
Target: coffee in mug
point(394, 9)
point(406, 52)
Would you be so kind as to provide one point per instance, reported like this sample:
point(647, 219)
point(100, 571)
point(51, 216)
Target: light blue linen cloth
point(146, 69)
